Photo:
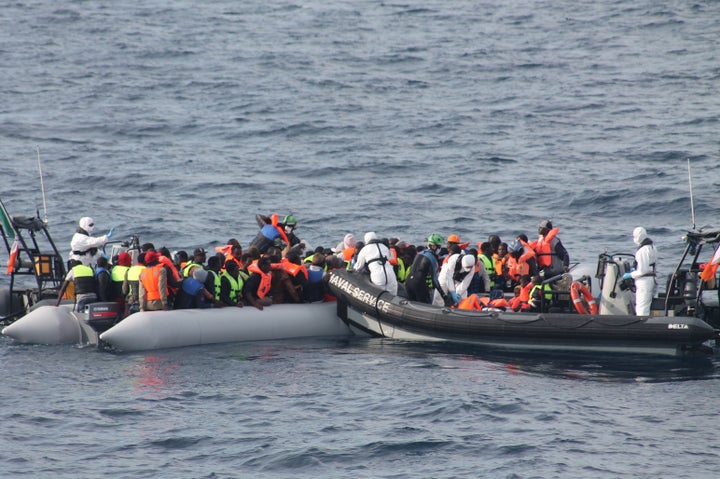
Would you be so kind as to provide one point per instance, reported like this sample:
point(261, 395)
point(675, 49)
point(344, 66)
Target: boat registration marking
point(359, 293)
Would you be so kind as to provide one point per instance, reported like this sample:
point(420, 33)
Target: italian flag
point(13, 257)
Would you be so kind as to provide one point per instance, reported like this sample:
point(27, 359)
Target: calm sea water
point(179, 121)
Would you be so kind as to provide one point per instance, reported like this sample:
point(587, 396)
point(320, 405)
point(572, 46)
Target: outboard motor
point(617, 296)
point(103, 316)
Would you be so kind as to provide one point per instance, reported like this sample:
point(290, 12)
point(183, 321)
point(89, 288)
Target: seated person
point(257, 286)
point(193, 293)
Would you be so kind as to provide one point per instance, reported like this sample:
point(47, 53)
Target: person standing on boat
point(644, 273)
point(83, 246)
point(552, 257)
point(375, 257)
point(423, 275)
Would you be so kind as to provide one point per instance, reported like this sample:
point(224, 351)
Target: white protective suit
point(447, 279)
point(81, 244)
point(644, 274)
point(375, 256)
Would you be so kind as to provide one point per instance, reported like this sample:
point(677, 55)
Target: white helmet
point(88, 224)
point(639, 235)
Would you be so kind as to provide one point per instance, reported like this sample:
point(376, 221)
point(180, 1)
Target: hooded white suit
point(644, 274)
point(375, 256)
point(447, 280)
point(81, 244)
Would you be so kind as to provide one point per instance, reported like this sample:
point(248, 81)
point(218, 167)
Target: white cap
point(88, 224)
point(639, 235)
point(370, 236)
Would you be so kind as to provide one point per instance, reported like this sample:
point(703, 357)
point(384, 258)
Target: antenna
point(692, 204)
point(42, 184)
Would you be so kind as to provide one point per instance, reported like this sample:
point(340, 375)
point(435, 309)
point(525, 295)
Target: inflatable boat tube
point(171, 329)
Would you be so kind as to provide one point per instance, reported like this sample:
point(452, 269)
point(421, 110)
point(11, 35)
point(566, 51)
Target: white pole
point(42, 184)
point(692, 204)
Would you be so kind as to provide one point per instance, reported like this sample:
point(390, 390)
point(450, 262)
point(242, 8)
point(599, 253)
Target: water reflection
point(154, 374)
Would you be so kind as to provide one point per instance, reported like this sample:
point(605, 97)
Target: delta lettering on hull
point(359, 294)
point(678, 326)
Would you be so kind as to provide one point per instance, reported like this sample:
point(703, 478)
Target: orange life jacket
point(392, 257)
point(470, 303)
point(293, 269)
point(348, 254)
point(230, 257)
point(499, 303)
point(525, 292)
point(165, 261)
point(709, 272)
point(275, 219)
point(149, 278)
point(500, 263)
point(517, 268)
point(265, 280)
point(543, 248)
point(475, 302)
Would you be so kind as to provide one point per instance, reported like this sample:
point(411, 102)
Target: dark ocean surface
point(179, 121)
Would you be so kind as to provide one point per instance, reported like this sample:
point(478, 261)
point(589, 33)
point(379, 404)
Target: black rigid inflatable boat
point(368, 308)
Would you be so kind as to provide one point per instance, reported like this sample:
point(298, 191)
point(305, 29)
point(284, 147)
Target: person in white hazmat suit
point(84, 246)
point(455, 277)
point(644, 272)
point(375, 256)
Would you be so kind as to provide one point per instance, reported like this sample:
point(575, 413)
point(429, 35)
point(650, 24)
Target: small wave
point(173, 443)
point(119, 413)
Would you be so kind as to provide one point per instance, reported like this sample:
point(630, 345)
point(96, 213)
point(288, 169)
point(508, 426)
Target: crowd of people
point(454, 273)
point(277, 267)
